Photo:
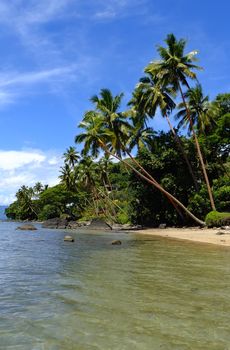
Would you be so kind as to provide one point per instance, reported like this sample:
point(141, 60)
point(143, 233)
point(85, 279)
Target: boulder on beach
point(55, 223)
point(68, 239)
point(27, 227)
point(162, 226)
point(73, 225)
point(99, 224)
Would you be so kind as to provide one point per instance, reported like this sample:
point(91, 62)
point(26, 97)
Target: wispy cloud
point(14, 85)
point(112, 9)
point(13, 79)
point(26, 167)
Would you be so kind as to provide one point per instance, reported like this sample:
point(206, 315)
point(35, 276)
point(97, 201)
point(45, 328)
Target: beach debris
point(116, 242)
point(68, 239)
point(27, 227)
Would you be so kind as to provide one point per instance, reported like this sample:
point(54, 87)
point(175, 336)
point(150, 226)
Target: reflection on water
point(149, 293)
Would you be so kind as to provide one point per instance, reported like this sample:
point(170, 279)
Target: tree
point(67, 177)
point(173, 69)
point(99, 135)
point(150, 95)
point(71, 156)
point(38, 188)
point(26, 204)
point(202, 112)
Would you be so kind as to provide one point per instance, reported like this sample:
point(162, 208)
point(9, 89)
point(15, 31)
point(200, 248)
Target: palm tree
point(71, 156)
point(173, 69)
point(202, 111)
point(97, 136)
point(38, 188)
point(150, 95)
point(25, 198)
point(67, 177)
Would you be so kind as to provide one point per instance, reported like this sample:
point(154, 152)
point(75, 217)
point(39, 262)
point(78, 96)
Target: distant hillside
point(2, 212)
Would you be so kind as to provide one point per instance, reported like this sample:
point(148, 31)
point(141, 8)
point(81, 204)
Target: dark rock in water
point(220, 233)
point(116, 242)
point(27, 227)
point(162, 226)
point(98, 224)
point(68, 239)
point(55, 223)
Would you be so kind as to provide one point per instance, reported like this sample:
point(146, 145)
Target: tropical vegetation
point(127, 172)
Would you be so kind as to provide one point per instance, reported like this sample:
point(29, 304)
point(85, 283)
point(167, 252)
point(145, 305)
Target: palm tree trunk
point(177, 139)
point(110, 200)
point(151, 178)
point(157, 185)
point(198, 150)
point(107, 194)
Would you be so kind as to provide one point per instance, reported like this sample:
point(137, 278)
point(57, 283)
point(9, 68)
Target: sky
point(56, 54)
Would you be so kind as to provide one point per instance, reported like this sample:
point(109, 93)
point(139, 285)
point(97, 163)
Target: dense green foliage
point(173, 178)
point(215, 219)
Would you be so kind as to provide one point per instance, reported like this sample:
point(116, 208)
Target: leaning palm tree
point(148, 96)
point(174, 69)
point(71, 156)
point(97, 136)
point(25, 198)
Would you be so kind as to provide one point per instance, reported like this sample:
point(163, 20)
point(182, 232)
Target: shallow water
point(149, 293)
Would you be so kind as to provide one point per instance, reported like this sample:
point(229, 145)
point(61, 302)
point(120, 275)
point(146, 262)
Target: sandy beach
point(204, 235)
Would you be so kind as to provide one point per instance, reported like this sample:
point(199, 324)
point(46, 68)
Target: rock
point(98, 224)
point(116, 242)
point(162, 226)
point(84, 223)
point(73, 225)
point(68, 239)
point(128, 227)
point(55, 223)
point(27, 227)
point(225, 228)
point(220, 233)
point(118, 227)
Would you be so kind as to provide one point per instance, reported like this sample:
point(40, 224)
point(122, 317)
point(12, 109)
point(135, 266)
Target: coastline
point(204, 235)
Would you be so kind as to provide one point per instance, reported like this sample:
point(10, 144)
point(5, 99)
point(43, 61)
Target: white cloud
point(26, 167)
point(12, 160)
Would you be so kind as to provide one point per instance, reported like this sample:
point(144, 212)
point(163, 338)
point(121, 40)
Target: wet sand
point(204, 235)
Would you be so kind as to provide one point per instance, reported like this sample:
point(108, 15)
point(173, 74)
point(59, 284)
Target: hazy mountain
point(2, 212)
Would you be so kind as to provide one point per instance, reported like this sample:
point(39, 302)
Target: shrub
point(214, 218)
point(49, 211)
point(122, 218)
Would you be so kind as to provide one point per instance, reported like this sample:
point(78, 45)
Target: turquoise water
point(149, 293)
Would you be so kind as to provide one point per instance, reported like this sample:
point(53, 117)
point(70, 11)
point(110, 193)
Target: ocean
point(149, 293)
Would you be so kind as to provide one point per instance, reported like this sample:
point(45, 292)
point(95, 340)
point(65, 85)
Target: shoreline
point(197, 235)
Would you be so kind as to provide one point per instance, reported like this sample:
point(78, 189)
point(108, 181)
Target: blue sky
point(57, 53)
